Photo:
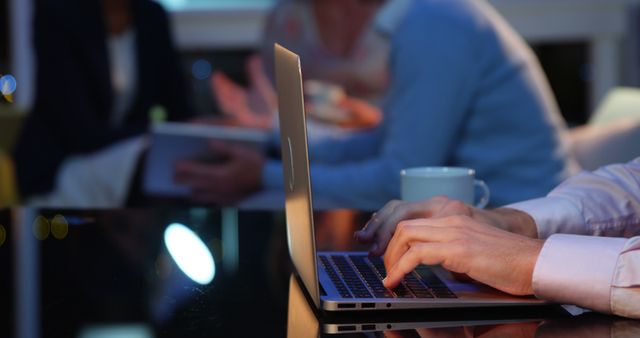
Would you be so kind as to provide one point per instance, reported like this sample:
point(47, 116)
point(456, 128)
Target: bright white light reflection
point(190, 253)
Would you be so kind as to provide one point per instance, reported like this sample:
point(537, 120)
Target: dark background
point(4, 36)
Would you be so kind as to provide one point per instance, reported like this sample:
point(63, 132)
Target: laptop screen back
point(295, 165)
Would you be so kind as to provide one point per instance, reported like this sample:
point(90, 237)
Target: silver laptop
point(348, 281)
point(303, 320)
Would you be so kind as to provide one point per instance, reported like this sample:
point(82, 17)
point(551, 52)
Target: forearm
point(356, 147)
point(509, 219)
point(603, 203)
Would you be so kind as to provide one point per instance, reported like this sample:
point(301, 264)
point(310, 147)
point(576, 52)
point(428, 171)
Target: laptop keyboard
point(362, 276)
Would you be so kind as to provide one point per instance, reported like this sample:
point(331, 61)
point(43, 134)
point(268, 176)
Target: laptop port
point(347, 306)
point(369, 327)
point(368, 305)
point(344, 328)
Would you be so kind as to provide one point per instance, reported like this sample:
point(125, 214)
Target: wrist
point(528, 263)
point(515, 221)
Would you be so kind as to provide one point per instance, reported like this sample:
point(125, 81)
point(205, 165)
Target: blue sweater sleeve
point(355, 147)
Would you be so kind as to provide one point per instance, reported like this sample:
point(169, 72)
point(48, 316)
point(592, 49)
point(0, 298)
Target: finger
point(192, 181)
point(230, 96)
point(422, 253)
point(455, 221)
point(415, 231)
point(191, 169)
point(383, 225)
point(403, 211)
point(195, 182)
point(221, 86)
point(378, 219)
point(198, 174)
point(224, 83)
point(256, 71)
point(227, 149)
point(386, 231)
point(261, 82)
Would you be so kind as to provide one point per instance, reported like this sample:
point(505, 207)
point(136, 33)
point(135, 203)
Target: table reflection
point(109, 273)
point(113, 272)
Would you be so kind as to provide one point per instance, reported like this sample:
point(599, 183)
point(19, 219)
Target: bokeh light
point(59, 227)
point(201, 69)
point(190, 253)
point(3, 234)
point(7, 84)
point(41, 227)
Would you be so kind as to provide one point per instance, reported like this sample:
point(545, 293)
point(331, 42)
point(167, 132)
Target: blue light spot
point(7, 84)
point(201, 69)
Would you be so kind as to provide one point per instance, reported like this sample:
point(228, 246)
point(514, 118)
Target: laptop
point(305, 321)
point(352, 281)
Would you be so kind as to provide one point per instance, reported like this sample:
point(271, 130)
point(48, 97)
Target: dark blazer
point(73, 86)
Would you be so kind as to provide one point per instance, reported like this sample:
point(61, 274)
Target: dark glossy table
point(109, 273)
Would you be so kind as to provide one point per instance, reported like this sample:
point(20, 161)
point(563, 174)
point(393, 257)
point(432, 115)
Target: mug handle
point(486, 194)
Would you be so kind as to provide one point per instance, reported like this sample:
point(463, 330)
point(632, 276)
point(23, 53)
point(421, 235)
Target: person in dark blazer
point(101, 66)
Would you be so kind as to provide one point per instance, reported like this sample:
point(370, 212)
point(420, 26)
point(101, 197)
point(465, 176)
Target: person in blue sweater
point(465, 90)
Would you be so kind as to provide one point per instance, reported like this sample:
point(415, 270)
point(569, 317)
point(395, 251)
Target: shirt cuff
point(272, 177)
point(553, 215)
point(578, 270)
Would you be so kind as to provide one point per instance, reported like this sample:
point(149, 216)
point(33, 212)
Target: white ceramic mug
point(422, 183)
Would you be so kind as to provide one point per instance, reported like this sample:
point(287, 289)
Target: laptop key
point(333, 275)
point(402, 292)
point(371, 277)
point(434, 283)
point(417, 287)
point(354, 282)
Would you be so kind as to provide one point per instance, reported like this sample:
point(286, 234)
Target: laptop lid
point(295, 166)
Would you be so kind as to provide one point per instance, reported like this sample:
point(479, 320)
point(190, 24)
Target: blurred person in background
point(344, 62)
point(465, 90)
point(101, 65)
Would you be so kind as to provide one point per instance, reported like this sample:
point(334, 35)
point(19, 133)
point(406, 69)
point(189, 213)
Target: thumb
point(254, 67)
